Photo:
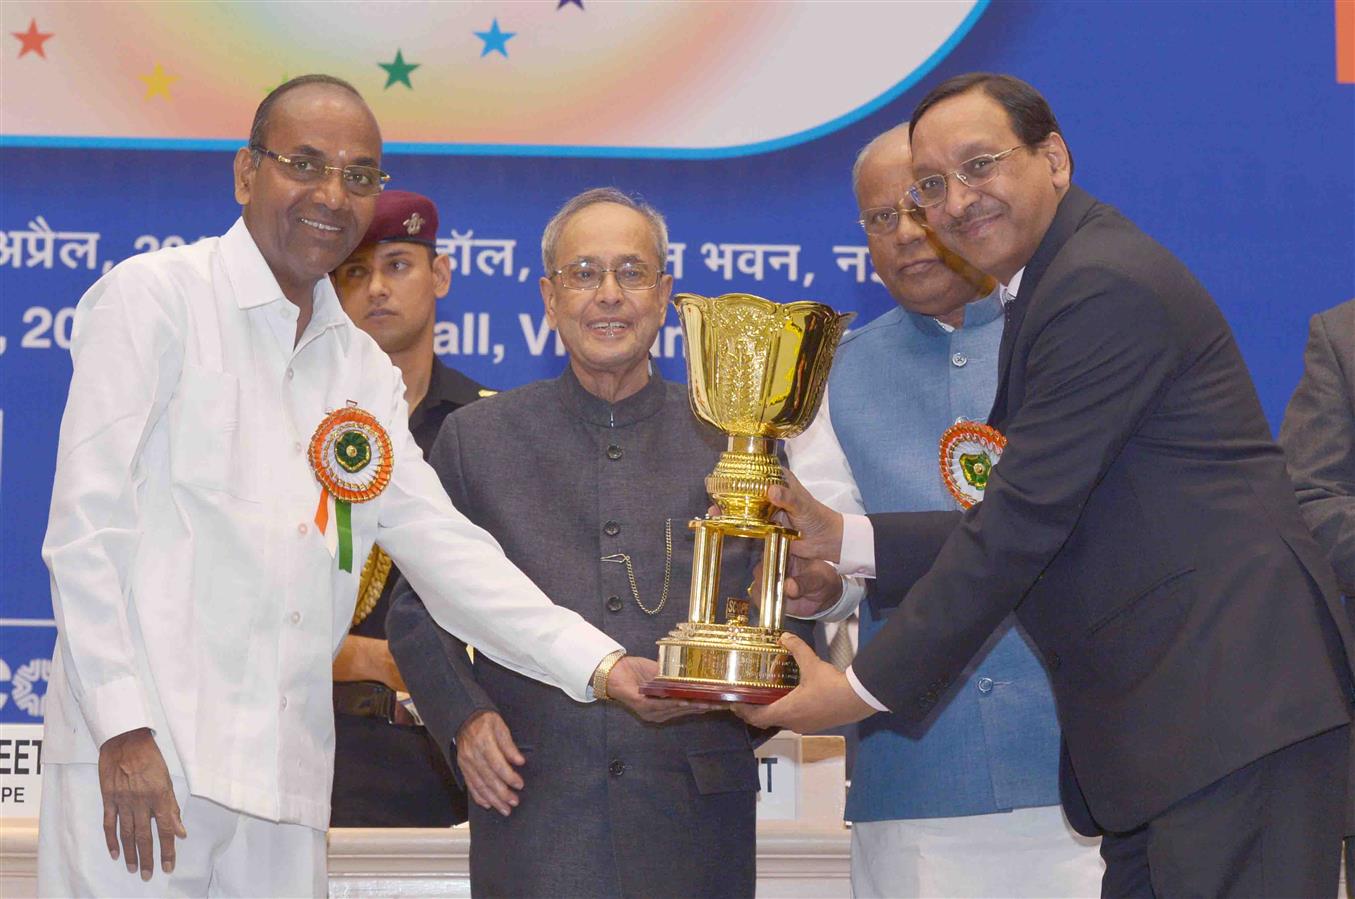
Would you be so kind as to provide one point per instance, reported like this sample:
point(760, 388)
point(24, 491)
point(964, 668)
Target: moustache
point(971, 214)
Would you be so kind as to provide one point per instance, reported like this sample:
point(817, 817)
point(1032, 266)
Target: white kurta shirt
point(193, 592)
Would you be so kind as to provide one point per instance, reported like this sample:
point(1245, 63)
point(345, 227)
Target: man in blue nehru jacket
point(965, 803)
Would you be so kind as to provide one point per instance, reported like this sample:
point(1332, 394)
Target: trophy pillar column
point(775, 555)
point(706, 558)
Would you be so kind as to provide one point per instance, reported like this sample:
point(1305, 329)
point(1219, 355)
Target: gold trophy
point(756, 370)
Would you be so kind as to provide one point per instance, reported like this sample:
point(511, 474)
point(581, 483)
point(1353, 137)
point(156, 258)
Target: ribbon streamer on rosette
point(969, 452)
point(351, 456)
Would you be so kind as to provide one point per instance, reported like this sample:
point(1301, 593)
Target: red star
point(32, 39)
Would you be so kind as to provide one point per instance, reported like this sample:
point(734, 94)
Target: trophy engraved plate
point(757, 371)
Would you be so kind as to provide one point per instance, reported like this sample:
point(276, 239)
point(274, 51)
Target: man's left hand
point(824, 698)
point(633, 672)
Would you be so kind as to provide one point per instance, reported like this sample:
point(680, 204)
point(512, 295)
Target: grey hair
point(591, 197)
point(874, 143)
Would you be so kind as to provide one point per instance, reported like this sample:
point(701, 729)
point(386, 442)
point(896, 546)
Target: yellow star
point(158, 82)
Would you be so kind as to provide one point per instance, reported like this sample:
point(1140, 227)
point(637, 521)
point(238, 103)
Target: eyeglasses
point(359, 180)
point(882, 220)
point(589, 275)
point(931, 190)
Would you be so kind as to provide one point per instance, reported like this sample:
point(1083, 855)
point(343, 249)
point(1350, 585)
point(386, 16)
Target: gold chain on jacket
point(622, 558)
point(370, 584)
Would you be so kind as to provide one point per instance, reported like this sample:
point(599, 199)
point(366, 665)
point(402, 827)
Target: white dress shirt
point(817, 460)
point(192, 590)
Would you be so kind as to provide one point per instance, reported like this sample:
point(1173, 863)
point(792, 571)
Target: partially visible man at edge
point(197, 597)
point(387, 772)
point(588, 481)
point(1318, 437)
point(1141, 525)
point(966, 802)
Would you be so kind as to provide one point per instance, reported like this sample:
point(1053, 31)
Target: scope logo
point(28, 685)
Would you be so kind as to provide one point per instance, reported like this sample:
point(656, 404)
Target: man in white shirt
point(206, 515)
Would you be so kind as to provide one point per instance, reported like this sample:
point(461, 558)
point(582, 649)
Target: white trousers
point(226, 853)
point(1027, 852)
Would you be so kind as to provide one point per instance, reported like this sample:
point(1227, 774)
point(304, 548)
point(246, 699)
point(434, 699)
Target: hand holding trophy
point(757, 371)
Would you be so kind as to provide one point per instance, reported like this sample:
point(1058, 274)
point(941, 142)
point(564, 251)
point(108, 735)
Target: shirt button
point(296, 618)
point(613, 452)
point(301, 528)
point(616, 768)
point(611, 529)
point(985, 685)
point(959, 360)
point(614, 603)
point(299, 447)
point(290, 374)
point(282, 703)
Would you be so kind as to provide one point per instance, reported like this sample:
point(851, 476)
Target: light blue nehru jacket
point(896, 385)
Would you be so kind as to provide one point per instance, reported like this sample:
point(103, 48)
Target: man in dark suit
point(1140, 524)
point(387, 772)
point(588, 482)
point(1318, 436)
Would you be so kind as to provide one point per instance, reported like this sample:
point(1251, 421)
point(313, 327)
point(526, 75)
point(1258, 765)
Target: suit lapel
point(1072, 209)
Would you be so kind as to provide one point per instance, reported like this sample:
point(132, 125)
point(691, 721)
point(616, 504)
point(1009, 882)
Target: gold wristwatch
point(601, 673)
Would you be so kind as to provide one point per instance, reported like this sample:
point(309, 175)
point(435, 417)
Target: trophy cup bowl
point(757, 371)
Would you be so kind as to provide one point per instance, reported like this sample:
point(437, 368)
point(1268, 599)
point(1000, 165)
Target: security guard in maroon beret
point(387, 771)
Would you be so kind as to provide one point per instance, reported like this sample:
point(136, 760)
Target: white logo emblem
point(24, 680)
point(4, 679)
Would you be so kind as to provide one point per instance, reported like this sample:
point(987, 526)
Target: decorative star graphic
point(31, 41)
point(158, 82)
point(495, 40)
point(563, 3)
point(397, 72)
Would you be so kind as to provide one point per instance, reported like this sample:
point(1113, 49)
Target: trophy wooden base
point(659, 688)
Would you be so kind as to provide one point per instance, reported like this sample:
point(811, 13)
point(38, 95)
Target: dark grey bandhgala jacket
point(612, 806)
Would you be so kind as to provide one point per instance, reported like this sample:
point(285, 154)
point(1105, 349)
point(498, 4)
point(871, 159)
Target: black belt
point(369, 699)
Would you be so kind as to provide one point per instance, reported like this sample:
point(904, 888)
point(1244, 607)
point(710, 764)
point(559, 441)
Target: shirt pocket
point(204, 421)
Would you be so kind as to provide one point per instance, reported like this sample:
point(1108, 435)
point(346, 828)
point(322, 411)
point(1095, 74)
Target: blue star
point(495, 40)
point(563, 3)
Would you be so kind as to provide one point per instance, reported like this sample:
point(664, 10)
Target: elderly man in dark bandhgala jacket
point(588, 482)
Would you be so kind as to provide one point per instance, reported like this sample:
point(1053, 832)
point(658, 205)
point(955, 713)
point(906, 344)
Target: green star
point(398, 71)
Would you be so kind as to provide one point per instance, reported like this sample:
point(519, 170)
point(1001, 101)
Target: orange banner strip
point(1345, 41)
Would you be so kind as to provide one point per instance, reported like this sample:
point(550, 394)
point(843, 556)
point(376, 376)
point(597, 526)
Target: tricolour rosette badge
point(351, 456)
point(969, 452)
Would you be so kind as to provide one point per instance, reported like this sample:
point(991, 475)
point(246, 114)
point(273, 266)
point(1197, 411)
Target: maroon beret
point(402, 215)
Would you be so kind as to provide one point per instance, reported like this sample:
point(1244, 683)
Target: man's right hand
point(136, 788)
point(820, 527)
point(484, 749)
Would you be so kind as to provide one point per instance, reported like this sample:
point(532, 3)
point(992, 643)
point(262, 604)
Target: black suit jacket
point(1142, 527)
point(1318, 436)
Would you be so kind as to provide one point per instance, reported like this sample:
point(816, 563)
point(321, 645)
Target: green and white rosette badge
point(351, 456)
point(969, 452)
